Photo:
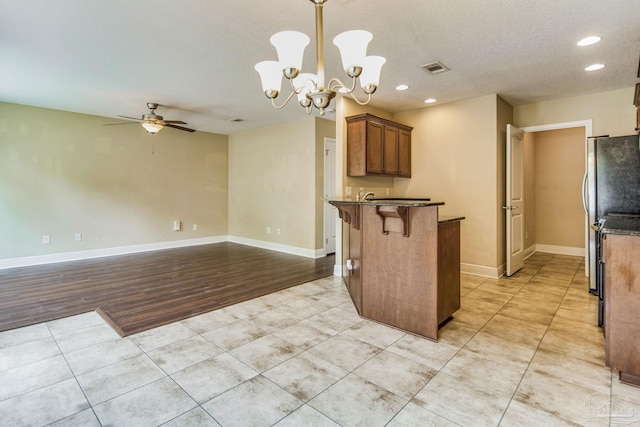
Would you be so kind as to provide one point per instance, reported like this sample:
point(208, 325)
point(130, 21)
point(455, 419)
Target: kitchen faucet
point(366, 195)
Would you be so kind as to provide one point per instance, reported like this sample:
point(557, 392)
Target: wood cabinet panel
point(376, 146)
point(390, 155)
point(621, 302)
point(401, 279)
point(406, 264)
point(404, 153)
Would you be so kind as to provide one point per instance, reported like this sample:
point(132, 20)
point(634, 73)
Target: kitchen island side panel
point(621, 302)
point(400, 279)
point(448, 269)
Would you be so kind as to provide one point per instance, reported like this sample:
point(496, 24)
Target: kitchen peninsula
point(401, 262)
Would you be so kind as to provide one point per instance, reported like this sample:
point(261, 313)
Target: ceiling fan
point(154, 123)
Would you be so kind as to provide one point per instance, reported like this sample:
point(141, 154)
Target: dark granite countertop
point(415, 202)
point(627, 224)
point(449, 218)
point(405, 202)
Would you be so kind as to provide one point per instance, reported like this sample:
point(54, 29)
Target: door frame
point(330, 213)
point(588, 132)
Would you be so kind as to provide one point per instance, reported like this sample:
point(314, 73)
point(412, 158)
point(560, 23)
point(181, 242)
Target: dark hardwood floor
point(142, 291)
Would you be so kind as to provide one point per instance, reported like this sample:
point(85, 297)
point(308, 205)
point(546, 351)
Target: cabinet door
point(404, 153)
point(390, 150)
point(375, 153)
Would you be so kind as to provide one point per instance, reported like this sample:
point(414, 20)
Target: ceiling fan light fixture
point(152, 128)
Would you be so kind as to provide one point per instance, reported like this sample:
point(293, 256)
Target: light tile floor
point(522, 351)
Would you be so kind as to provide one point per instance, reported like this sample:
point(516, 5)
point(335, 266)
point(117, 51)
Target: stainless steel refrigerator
point(611, 186)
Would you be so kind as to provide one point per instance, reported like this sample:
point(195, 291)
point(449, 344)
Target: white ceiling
point(196, 57)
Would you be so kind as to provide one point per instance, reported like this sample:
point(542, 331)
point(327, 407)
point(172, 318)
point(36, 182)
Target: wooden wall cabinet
point(621, 301)
point(376, 146)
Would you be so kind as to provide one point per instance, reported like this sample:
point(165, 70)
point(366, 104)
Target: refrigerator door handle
point(585, 194)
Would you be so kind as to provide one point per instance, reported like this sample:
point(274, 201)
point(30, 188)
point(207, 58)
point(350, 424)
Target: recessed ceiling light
point(587, 41)
point(430, 100)
point(402, 87)
point(594, 67)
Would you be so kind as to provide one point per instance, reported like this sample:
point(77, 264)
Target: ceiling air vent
point(435, 67)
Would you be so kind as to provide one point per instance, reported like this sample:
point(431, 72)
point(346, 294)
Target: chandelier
point(310, 88)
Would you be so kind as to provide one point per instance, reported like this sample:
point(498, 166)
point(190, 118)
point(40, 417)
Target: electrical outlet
point(78, 237)
point(195, 227)
point(347, 191)
point(45, 239)
point(176, 225)
point(268, 230)
point(278, 231)
point(388, 192)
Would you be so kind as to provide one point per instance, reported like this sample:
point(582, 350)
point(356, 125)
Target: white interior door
point(515, 200)
point(330, 212)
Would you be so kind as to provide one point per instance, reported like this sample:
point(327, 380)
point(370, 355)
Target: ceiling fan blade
point(169, 125)
point(177, 122)
point(131, 118)
point(116, 124)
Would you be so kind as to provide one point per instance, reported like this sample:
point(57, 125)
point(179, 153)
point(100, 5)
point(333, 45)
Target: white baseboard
point(99, 253)
point(293, 250)
point(481, 270)
point(529, 251)
point(560, 250)
point(123, 250)
point(337, 270)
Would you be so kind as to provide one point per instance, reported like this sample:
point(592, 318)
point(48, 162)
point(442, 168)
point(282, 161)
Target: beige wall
point(613, 113)
point(559, 168)
point(275, 177)
point(454, 160)
point(63, 173)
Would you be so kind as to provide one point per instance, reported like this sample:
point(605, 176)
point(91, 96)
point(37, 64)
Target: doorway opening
point(555, 157)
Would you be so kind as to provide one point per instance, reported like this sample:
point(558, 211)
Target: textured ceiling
point(196, 57)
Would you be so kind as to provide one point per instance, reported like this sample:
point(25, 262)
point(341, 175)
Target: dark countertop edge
point(623, 224)
point(410, 203)
point(449, 218)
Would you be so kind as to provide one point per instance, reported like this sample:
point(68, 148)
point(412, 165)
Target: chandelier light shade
point(370, 77)
point(353, 47)
point(290, 46)
point(270, 76)
point(310, 89)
